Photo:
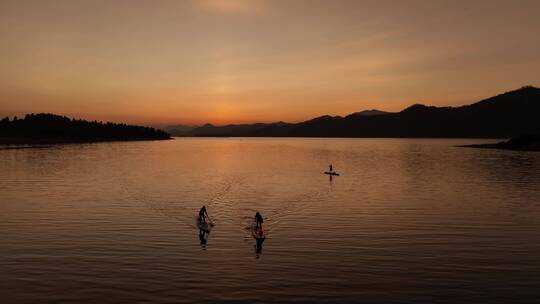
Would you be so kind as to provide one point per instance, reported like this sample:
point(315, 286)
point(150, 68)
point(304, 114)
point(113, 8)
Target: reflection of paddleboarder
point(203, 236)
point(258, 233)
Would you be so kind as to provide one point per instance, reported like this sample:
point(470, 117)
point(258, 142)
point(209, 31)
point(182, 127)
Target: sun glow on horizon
point(243, 61)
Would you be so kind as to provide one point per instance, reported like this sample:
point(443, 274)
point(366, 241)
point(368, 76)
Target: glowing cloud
point(233, 7)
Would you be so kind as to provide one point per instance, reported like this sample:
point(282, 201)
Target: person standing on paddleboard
point(258, 220)
point(330, 168)
point(203, 215)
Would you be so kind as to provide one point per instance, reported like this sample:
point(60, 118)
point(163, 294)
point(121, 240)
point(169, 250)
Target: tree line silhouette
point(45, 127)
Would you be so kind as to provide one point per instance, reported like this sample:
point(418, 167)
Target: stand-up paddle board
point(332, 173)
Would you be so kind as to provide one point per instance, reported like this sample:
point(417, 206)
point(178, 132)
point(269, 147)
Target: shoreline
point(498, 146)
point(5, 141)
point(529, 142)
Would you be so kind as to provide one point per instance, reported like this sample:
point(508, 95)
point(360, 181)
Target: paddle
point(210, 222)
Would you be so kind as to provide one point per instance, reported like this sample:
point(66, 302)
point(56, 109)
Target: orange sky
point(227, 61)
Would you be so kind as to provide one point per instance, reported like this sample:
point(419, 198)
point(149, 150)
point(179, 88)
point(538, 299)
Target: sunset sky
point(233, 61)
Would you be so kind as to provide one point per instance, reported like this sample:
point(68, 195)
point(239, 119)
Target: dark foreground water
point(408, 221)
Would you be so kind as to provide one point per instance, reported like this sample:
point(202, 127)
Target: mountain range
point(503, 116)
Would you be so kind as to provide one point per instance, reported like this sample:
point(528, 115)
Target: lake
point(407, 221)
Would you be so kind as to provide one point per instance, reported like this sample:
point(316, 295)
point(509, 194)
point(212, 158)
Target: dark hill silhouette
point(50, 128)
point(229, 130)
point(503, 116)
point(178, 130)
point(371, 112)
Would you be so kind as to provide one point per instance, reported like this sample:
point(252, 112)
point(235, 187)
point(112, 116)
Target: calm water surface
point(408, 221)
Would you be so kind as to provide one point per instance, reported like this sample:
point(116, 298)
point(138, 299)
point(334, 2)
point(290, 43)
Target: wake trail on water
point(187, 214)
point(148, 203)
point(278, 210)
point(225, 204)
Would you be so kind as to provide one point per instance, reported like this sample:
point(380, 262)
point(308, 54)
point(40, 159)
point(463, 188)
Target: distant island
point(506, 115)
point(530, 142)
point(50, 129)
